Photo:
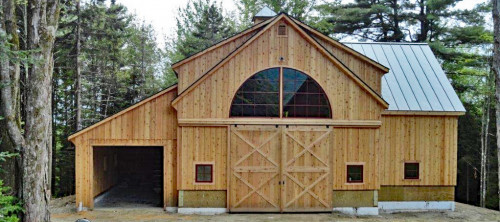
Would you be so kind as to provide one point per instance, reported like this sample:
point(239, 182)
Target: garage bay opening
point(128, 176)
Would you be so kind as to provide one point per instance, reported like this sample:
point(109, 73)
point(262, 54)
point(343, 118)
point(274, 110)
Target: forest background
point(105, 59)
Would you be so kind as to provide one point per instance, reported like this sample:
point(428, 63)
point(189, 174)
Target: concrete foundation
point(400, 206)
point(358, 211)
point(202, 211)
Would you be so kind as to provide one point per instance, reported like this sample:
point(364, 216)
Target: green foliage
point(121, 64)
point(10, 207)
point(200, 24)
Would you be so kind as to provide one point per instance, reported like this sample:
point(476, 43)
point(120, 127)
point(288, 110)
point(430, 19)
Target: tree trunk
point(485, 122)
point(42, 26)
point(496, 70)
point(12, 140)
point(78, 83)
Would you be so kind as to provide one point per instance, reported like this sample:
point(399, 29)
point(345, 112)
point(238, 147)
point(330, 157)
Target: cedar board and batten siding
point(356, 146)
point(430, 140)
point(212, 97)
point(190, 71)
point(202, 145)
point(151, 122)
point(367, 72)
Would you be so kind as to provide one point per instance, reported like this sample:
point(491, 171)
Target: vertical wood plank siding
point(212, 98)
point(430, 140)
point(153, 123)
point(202, 145)
point(192, 70)
point(356, 146)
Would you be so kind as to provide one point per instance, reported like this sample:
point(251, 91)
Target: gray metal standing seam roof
point(265, 12)
point(415, 81)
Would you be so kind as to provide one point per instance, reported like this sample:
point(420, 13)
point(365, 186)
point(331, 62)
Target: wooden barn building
point(281, 118)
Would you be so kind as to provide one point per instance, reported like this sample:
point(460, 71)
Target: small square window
point(411, 170)
point(204, 173)
point(355, 173)
point(282, 30)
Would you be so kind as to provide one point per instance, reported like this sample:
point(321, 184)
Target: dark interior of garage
point(128, 176)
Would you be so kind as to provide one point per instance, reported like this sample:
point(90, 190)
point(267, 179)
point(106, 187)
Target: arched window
point(259, 95)
point(302, 97)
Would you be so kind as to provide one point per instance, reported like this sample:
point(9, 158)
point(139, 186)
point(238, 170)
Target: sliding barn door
point(255, 168)
point(306, 165)
point(278, 169)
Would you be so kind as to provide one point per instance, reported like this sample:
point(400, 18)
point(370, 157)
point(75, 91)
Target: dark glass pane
point(289, 74)
point(313, 111)
point(300, 99)
point(303, 96)
point(272, 110)
point(247, 111)
point(355, 169)
point(324, 111)
point(300, 111)
point(258, 93)
point(260, 110)
point(288, 86)
point(288, 111)
point(354, 173)
point(323, 100)
point(236, 110)
point(288, 98)
point(313, 99)
point(312, 87)
point(265, 98)
point(411, 170)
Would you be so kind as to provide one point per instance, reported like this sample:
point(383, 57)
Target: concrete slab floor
point(129, 196)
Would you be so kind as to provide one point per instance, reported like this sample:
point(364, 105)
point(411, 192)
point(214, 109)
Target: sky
point(161, 13)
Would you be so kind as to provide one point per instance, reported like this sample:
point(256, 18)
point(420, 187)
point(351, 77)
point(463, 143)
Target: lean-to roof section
point(416, 81)
point(163, 106)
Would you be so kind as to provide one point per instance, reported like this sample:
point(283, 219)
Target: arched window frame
point(281, 98)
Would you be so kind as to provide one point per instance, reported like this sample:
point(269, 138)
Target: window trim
point(281, 94)
point(357, 164)
point(196, 181)
point(418, 170)
point(285, 29)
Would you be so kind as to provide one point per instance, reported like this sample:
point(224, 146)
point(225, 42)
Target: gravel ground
point(63, 210)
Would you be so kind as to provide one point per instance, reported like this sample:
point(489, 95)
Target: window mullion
point(281, 92)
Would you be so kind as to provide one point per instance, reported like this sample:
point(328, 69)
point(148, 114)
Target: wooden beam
point(276, 121)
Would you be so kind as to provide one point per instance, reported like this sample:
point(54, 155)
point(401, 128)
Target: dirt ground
point(63, 210)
